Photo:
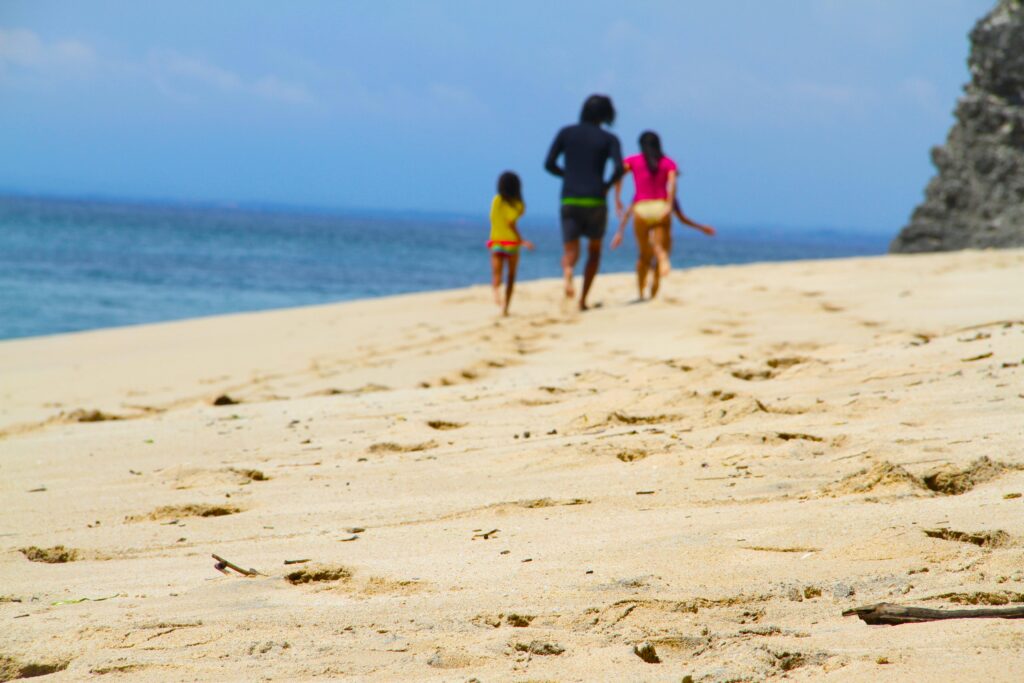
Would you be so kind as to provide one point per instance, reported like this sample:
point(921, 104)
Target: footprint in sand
point(775, 366)
point(985, 539)
point(83, 415)
point(798, 436)
point(469, 374)
point(365, 389)
point(631, 454)
point(534, 503)
point(739, 438)
point(951, 481)
point(392, 447)
point(57, 554)
point(982, 598)
point(172, 512)
point(340, 576)
point(318, 574)
point(443, 425)
point(945, 481)
point(627, 419)
point(13, 669)
point(183, 478)
point(784, 362)
point(536, 402)
point(515, 620)
point(752, 375)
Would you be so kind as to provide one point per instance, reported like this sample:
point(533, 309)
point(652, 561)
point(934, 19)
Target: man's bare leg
point(570, 255)
point(590, 270)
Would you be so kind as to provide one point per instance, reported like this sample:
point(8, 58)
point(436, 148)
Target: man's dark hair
point(598, 109)
point(509, 187)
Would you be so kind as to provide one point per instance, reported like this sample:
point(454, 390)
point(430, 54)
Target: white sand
point(784, 418)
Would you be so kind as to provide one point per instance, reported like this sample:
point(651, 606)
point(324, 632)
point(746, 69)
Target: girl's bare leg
point(510, 283)
point(655, 273)
point(653, 262)
point(643, 242)
point(496, 260)
point(660, 239)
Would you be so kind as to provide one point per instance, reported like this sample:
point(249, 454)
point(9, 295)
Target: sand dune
point(709, 480)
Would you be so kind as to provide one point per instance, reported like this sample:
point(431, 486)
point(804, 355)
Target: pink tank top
point(650, 185)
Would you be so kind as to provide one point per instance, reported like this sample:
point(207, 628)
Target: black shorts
point(583, 221)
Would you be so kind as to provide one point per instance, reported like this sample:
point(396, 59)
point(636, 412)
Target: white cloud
point(36, 61)
point(179, 74)
point(666, 81)
point(174, 65)
point(274, 88)
point(24, 49)
point(29, 60)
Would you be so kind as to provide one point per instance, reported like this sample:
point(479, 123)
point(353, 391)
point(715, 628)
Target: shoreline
point(533, 281)
point(718, 474)
point(111, 265)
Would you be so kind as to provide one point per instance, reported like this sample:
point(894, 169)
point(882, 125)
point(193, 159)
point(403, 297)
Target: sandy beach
point(430, 493)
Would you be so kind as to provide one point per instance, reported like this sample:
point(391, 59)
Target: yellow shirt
point(503, 215)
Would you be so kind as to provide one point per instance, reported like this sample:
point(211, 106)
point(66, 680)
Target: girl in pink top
point(654, 175)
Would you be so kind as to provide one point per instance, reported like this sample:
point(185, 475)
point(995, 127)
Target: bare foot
point(570, 291)
point(583, 306)
point(497, 297)
point(664, 267)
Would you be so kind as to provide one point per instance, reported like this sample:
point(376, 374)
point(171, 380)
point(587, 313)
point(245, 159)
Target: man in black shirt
point(586, 148)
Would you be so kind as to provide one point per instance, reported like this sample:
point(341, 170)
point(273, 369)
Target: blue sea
point(78, 265)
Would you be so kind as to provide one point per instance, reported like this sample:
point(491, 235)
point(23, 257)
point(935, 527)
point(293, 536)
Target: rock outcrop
point(977, 198)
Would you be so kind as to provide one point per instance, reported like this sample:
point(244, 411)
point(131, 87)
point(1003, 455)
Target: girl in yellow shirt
point(506, 208)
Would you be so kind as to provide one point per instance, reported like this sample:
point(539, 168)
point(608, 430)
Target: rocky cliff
point(977, 198)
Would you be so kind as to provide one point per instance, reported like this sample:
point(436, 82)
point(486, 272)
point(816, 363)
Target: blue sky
point(802, 113)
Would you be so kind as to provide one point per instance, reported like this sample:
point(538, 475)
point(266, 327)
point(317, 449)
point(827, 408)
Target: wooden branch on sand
point(886, 613)
point(222, 564)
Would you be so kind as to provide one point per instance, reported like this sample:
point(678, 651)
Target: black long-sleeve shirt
point(587, 148)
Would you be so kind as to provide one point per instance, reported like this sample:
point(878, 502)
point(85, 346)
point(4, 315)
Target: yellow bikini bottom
point(651, 210)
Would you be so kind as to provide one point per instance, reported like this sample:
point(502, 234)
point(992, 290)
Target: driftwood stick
point(887, 613)
point(222, 563)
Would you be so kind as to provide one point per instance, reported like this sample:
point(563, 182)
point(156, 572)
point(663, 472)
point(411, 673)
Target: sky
point(791, 113)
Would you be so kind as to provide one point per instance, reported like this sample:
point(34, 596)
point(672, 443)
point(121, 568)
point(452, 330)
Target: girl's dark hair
point(650, 147)
point(509, 187)
point(598, 109)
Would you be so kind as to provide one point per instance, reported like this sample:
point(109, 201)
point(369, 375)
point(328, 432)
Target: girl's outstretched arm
point(526, 243)
point(617, 239)
point(686, 220)
point(672, 176)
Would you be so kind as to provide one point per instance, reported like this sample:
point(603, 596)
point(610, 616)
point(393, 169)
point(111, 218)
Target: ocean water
point(79, 265)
